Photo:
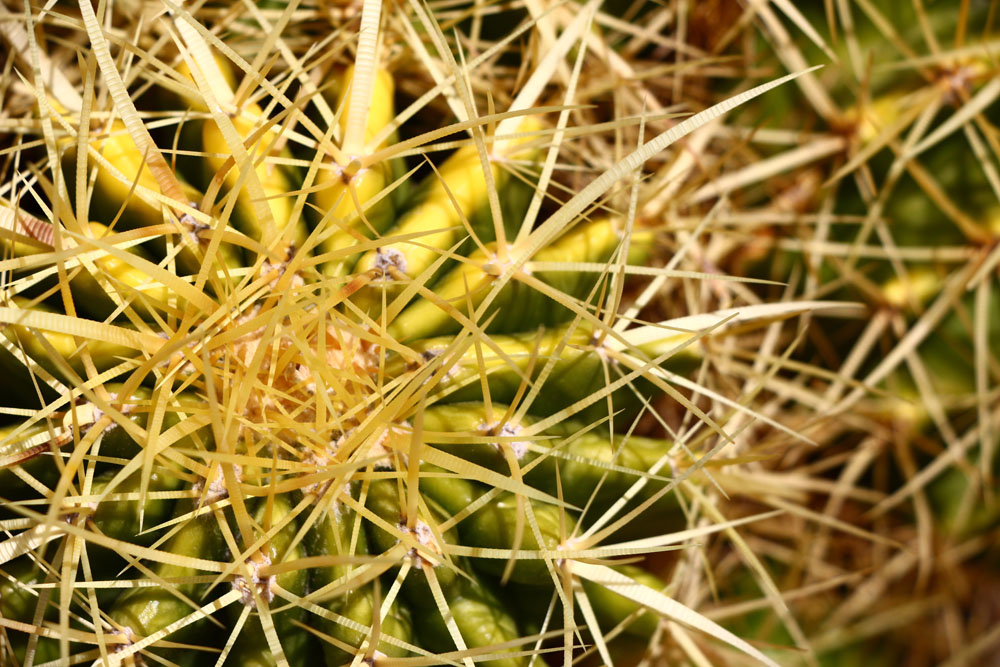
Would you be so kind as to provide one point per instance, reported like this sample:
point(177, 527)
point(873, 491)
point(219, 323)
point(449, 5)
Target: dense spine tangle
point(295, 389)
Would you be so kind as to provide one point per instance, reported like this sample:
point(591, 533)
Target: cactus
point(289, 387)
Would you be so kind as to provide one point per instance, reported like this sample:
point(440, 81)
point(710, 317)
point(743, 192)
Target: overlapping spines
point(279, 391)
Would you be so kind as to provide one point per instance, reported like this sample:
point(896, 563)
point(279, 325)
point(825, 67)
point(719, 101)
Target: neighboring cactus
point(878, 184)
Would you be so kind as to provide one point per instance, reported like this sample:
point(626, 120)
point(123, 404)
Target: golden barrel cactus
point(287, 382)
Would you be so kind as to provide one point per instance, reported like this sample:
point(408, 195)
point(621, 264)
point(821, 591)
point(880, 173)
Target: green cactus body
point(359, 607)
point(594, 470)
point(18, 598)
point(142, 612)
point(121, 519)
point(612, 609)
point(482, 620)
point(495, 527)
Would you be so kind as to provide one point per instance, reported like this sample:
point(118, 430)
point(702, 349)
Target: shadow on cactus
point(269, 398)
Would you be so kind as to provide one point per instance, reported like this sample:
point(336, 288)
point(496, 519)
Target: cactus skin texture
point(237, 438)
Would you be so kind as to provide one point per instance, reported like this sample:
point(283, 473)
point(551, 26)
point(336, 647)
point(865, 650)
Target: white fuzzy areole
point(217, 489)
point(264, 585)
point(130, 638)
point(518, 447)
point(425, 536)
point(387, 258)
